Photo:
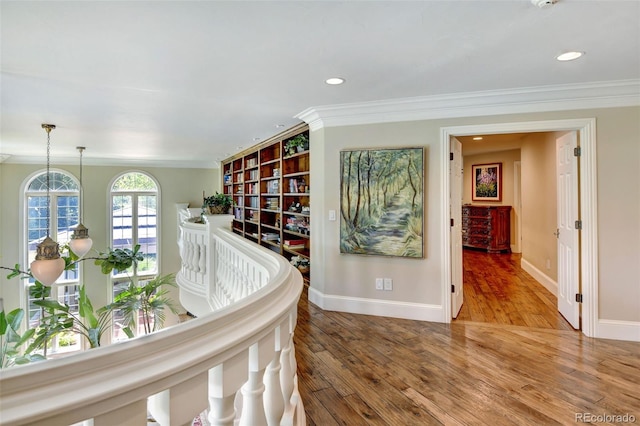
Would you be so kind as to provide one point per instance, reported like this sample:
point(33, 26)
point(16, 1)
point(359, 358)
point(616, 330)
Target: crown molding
point(117, 162)
point(607, 94)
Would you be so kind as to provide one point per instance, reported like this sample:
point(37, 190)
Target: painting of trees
point(381, 202)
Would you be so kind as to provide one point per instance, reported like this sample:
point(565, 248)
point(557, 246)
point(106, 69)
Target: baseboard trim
point(619, 330)
point(383, 308)
point(546, 281)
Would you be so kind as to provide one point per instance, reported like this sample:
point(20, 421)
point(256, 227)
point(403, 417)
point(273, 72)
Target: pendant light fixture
point(80, 241)
point(48, 265)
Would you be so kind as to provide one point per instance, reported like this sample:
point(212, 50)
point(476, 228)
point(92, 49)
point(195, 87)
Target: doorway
point(587, 196)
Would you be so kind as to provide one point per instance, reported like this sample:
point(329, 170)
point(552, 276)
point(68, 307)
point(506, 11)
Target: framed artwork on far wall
point(486, 182)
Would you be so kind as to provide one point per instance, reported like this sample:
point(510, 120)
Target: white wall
point(347, 281)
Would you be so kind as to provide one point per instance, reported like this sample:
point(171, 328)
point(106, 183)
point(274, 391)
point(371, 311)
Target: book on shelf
point(294, 242)
point(270, 236)
point(295, 247)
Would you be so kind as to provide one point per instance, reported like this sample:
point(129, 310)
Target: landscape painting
point(381, 202)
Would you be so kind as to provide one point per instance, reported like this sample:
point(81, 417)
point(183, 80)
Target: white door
point(455, 211)
point(567, 234)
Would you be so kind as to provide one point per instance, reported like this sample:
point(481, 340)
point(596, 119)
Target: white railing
point(233, 365)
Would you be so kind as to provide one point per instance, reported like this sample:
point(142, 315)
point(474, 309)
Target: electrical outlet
point(379, 284)
point(388, 284)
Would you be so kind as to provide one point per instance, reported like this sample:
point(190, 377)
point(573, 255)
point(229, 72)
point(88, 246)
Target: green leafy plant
point(149, 299)
point(119, 259)
point(217, 203)
point(11, 341)
point(89, 324)
point(291, 146)
point(59, 319)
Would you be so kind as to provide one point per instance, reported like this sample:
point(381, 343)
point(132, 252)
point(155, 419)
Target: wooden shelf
point(252, 175)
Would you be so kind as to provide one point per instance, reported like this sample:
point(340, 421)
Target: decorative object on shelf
point(295, 207)
point(48, 265)
point(217, 203)
point(381, 202)
point(80, 242)
point(486, 182)
point(302, 263)
point(298, 143)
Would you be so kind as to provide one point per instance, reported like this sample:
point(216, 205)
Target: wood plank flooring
point(366, 370)
point(497, 290)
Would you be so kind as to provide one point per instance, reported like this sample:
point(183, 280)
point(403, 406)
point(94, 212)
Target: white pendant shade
point(47, 271)
point(81, 246)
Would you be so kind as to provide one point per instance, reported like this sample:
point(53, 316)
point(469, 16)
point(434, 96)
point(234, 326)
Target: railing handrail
point(98, 381)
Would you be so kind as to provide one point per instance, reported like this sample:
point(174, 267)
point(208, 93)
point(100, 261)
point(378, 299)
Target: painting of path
point(381, 202)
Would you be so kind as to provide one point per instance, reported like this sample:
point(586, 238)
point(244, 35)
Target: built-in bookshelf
point(270, 188)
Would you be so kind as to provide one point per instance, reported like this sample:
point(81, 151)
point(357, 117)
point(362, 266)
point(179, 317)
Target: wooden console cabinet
point(487, 227)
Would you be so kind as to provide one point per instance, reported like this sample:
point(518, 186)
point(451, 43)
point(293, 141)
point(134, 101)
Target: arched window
point(62, 216)
point(135, 221)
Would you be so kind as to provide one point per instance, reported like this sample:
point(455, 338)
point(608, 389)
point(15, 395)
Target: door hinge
point(578, 224)
point(579, 297)
point(453, 288)
point(577, 151)
point(451, 156)
point(451, 221)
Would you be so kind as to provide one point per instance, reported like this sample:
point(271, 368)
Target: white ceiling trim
point(129, 162)
point(609, 94)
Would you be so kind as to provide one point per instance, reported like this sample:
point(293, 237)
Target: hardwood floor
point(366, 370)
point(497, 290)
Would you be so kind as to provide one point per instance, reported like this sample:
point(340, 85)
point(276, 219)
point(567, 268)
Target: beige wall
point(420, 280)
point(176, 185)
point(539, 202)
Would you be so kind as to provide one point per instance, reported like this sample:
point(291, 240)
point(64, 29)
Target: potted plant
point(298, 143)
point(217, 204)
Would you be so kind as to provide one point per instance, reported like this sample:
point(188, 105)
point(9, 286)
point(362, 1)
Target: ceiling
point(191, 82)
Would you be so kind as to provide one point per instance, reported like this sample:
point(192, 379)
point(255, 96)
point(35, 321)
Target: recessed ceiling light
point(256, 139)
point(334, 81)
point(279, 125)
point(569, 56)
point(477, 138)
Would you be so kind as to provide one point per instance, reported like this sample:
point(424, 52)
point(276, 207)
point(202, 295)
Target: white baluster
point(252, 391)
point(224, 381)
point(286, 374)
point(202, 265)
point(273, 396)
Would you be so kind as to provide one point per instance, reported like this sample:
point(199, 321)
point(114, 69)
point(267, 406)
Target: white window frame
point(135, 277)
point(57, 289)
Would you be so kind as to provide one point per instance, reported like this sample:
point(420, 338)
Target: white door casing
point(455, 210)
point(586, 128)
point(567, 235)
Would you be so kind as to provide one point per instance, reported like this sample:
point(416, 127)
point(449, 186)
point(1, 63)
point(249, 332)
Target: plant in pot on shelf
point(217, 204)
point(298, 143)
point(302, 263)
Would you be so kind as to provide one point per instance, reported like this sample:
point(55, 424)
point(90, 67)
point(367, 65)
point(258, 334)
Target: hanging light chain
point(48, 128)
point(81, 213)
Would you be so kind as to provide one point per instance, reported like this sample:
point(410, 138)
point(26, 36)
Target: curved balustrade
point(236, 363)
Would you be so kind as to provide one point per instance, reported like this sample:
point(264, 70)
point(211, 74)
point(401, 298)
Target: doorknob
point(557, 233)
